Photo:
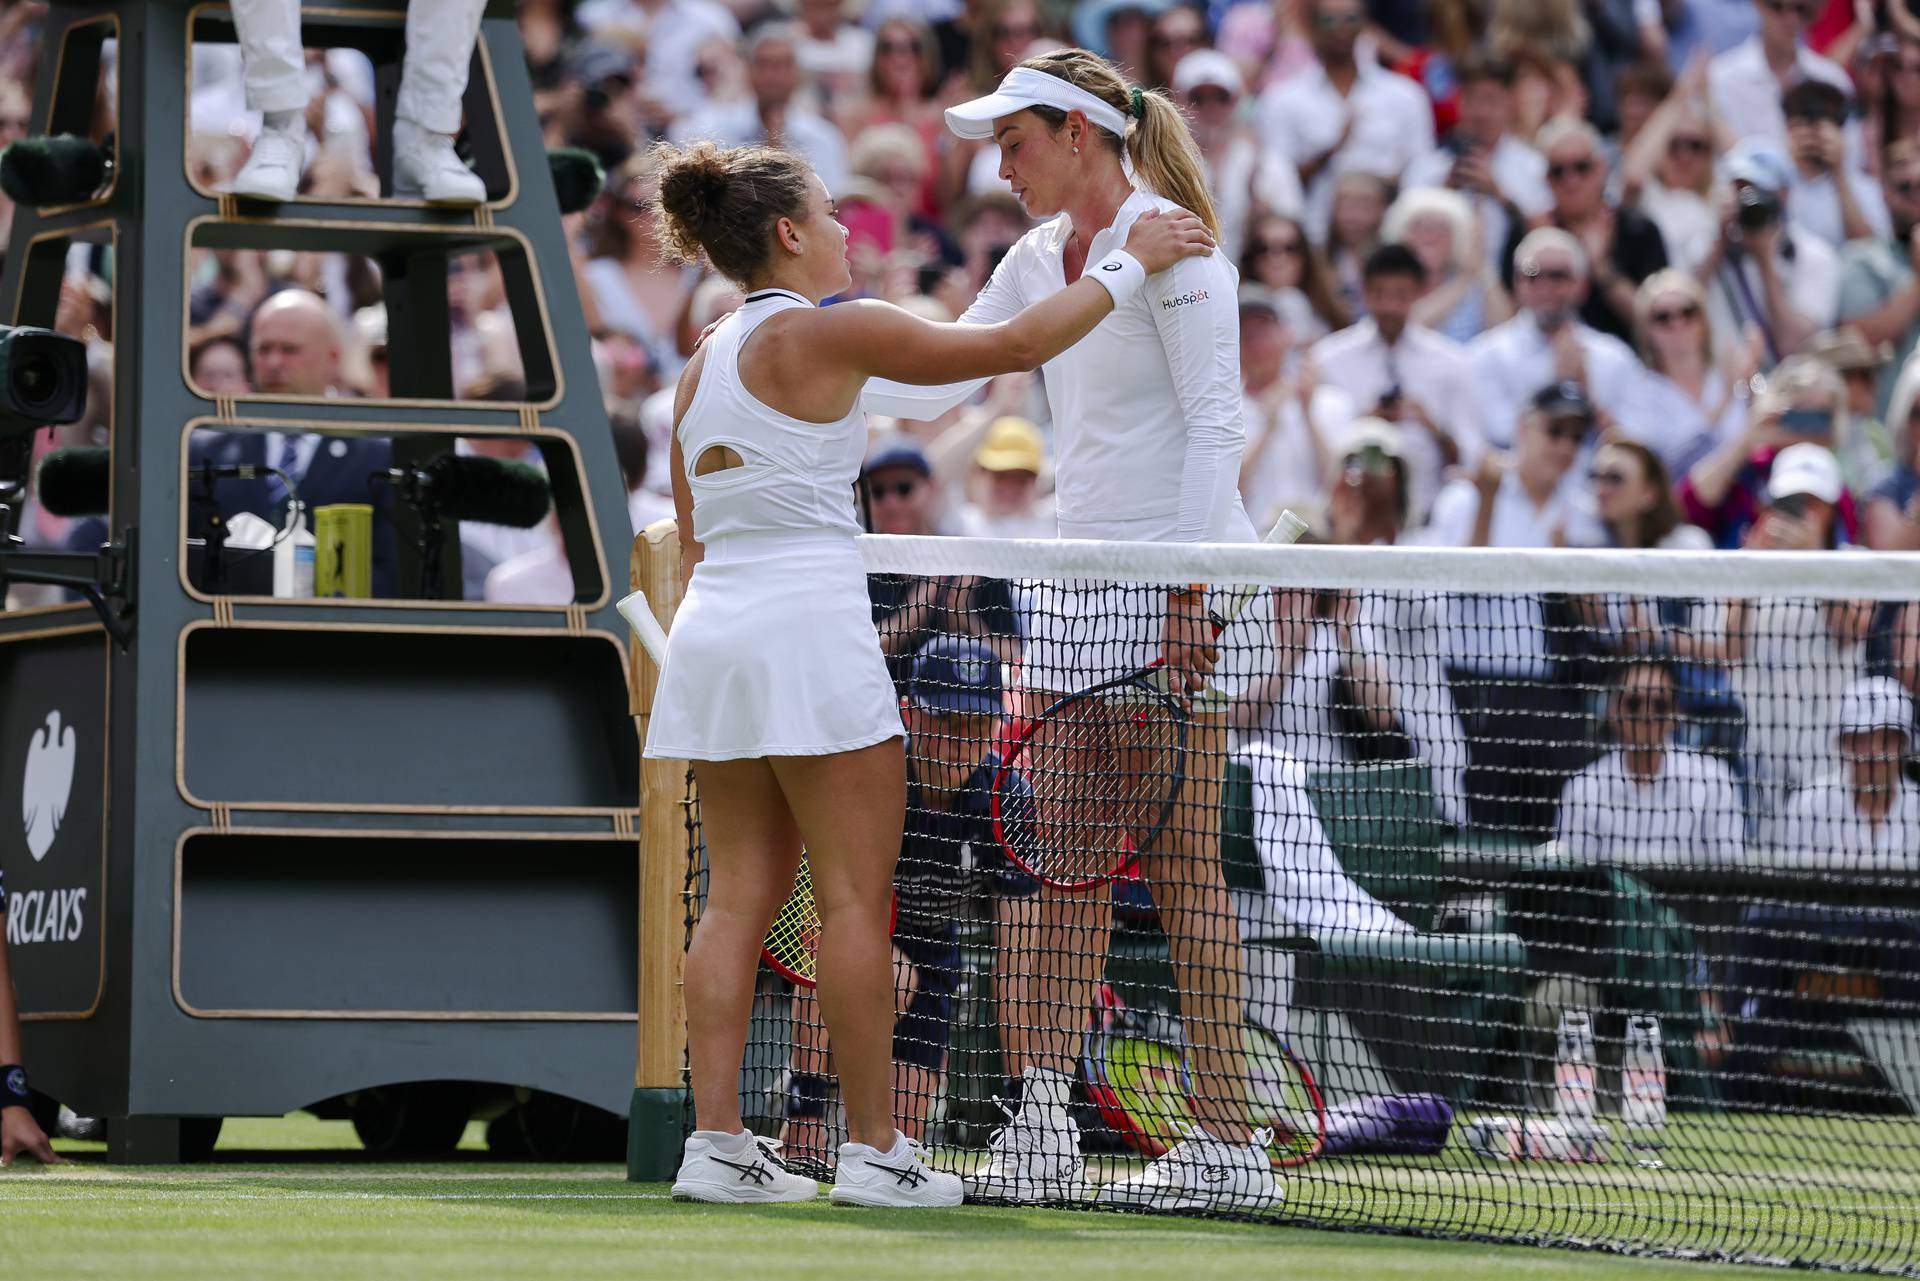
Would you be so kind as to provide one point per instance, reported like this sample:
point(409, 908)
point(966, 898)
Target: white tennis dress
point(773, 652)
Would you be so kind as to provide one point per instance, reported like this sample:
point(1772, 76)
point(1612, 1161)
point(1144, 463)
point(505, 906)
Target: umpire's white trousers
point(440, 36)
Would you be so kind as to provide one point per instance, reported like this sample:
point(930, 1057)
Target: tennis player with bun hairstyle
point(773, 683)
point(1148, 436)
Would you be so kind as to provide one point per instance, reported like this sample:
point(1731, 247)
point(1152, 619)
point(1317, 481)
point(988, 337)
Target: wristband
point(1121, 274)
point(13, 1086)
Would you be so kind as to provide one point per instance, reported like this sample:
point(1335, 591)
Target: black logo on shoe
point(1215, 1173)
point(754, 1172)
point(909, 1176)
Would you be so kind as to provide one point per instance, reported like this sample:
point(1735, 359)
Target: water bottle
point(293, 556)
point(1643, 1091)
point(1537, 1138)
point(1573, 1070)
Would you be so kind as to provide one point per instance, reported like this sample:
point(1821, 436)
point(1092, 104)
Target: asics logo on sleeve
point(750, 1172)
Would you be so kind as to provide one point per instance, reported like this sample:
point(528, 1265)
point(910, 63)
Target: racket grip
point(639, 616)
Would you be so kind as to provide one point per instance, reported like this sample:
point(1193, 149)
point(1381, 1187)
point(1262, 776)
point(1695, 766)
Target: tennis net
point(1560, 897)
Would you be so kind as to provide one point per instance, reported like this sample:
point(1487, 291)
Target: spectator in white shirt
point(1866, 816)
point(1345, 111)
point(1290, 413)
point(1666, 172)
point(770, 114)
point(1406, 374)
point(1504, 177)
point(835, 54)
point(1705, 400)
point(1242, 173)
point(1831, 198)
point(674, 31)
point(1650, 802)
point(1546, 343)
point(1766, 270)
point(1505, 671)
point(1748, 80)
point(1464, 295)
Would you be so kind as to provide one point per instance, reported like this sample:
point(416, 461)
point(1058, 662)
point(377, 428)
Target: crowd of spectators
point(1515, 273)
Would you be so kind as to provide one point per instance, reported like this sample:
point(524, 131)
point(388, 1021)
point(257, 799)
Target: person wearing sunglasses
point(1880, 278)
point(1667, 168)
point(1865, 816)
point(908, 611)
point(1503, 666)
point(1546, 342)
point(1623, 246)
point(1832, 198)
point(1345, 111)
point(1704, 397)
point(1242, 172)
point(1650, 802)
point(1747, 81)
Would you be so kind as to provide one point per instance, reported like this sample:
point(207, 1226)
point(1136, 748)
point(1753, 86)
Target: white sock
point(282, 121)
point(408, 134)
point(1044, 1087)
point(724, 1142)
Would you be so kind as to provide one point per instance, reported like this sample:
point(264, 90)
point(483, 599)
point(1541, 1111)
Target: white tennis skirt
point(773, 653)
point(1083, 633)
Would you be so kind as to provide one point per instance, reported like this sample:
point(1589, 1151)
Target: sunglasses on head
point(1554, 275)
point(1657, 704)
point(1561, 168)
point(898, 489)
point(1674, 315)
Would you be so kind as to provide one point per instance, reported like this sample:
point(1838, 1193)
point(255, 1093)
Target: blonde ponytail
point(1166, 159)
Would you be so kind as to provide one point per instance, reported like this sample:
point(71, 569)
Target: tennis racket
point(1091, 781)
point(793, 940)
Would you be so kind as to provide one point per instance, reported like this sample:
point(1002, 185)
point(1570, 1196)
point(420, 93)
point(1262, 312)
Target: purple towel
point(1388, 1124)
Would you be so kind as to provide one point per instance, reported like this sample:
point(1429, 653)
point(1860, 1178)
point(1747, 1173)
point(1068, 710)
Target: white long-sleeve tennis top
point(1147, 411)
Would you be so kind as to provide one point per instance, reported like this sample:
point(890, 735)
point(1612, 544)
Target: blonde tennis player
point(1148, 435)
point(773, 682)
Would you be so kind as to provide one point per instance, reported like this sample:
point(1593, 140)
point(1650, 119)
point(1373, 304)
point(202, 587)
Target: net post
point(658, 1110)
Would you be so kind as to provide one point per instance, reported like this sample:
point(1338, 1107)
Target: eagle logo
point(49, 780)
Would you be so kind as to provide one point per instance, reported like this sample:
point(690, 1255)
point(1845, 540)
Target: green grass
point(290, 1200)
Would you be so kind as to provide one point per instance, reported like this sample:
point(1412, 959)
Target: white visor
point(1024, 87)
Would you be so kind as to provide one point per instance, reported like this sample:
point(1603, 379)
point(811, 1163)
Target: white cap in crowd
point(1805, 468)
point(1875, 702)
point(1207, 67)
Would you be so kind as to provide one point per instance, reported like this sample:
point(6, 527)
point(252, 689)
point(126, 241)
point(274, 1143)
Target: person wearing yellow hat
point(1003, 494)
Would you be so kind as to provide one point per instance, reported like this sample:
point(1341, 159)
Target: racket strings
point(1103, 773)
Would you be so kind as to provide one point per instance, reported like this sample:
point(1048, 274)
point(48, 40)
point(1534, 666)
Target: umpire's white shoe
point(1202, 1173)
point(273, 167)
point(902, 1177)
point(1035, 1157)
point(737, 1168)
point(426, 168)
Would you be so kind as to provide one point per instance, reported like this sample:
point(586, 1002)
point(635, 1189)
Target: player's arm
point(880, 340)
point(20, 1134)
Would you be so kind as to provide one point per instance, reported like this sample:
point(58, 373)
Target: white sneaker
point(902, 1177)
point(1034, 1158)
point(753, 1172)
point(273, 168)
point(426, 168)
point(1202, 1173)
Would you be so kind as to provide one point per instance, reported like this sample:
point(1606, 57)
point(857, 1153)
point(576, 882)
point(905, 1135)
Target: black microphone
point(76, 482)
point(485, 490)
point(61, 170)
